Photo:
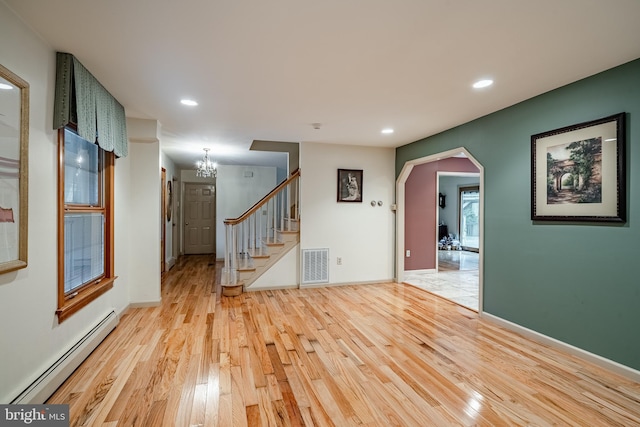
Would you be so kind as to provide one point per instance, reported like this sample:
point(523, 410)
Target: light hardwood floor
point(374, 355)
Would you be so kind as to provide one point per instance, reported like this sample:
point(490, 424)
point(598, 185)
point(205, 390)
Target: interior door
point(199, 219)
point(469, 218)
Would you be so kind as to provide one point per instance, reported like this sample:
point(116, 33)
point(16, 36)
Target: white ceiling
point(269, 69)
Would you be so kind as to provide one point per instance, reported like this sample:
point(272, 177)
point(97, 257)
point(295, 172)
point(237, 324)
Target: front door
point(199, 219)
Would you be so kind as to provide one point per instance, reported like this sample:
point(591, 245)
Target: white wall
point(30, 336)
point(144, 216)
point(236, 192)
point(362, 235)
point(285, 273)
point(124, 231)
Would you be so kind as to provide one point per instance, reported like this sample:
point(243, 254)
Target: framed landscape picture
point(578, 172)
point(349, 185)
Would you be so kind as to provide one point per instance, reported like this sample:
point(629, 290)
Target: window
point(469, 218)
point(85, 222)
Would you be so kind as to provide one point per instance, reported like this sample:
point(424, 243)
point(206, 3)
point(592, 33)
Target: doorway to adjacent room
point(457, 275)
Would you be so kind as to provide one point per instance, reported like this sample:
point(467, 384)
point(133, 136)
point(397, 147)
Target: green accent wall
point(578, 283)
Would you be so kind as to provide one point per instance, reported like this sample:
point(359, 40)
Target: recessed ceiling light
point(482, 83)
point(189, 102)
point(387, 131)
point(5, 86)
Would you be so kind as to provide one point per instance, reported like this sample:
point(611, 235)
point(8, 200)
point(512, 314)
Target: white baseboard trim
point(49, 381)
point(600, 361)
point(144, 304)
point(270, 288)
point(317, 285)
point(428, 270)
point(326, 285)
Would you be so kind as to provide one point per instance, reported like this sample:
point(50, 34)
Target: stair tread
point(288, 231)
point(232, 290)
point(258, 253)
point(231, 285)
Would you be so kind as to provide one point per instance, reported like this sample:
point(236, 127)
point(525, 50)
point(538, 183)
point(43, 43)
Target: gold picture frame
point(14, 170)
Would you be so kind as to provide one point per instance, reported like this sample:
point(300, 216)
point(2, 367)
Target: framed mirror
point(14, 174)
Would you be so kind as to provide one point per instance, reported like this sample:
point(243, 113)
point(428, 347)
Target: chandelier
point(205, 167)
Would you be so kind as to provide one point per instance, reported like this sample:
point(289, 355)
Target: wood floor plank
point(128, 364)
point(212, 406)
point(370, 355)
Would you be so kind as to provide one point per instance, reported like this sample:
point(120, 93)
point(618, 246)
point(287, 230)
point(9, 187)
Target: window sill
point(84, 297)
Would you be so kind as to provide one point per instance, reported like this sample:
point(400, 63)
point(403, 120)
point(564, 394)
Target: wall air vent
point(315, 266)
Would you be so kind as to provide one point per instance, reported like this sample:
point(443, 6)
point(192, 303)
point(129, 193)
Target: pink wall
point(420, 210)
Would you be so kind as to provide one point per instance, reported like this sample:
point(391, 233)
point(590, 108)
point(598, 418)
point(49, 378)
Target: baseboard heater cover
point(315, 266)
point(47, 383)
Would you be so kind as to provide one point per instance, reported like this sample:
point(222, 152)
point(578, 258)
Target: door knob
point(186, 223)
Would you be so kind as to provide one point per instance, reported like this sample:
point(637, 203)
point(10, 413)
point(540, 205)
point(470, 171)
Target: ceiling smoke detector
point(316, 126)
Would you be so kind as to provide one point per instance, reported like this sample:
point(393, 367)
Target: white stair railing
point(250, 233)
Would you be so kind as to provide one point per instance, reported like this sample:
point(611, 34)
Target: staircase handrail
point(233, 221)
point(250, 233)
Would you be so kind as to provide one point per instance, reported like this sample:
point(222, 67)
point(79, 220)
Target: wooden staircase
point(262, 235)
point(259, 260)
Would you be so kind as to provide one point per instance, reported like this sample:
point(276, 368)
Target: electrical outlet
point(339, 261)
point(408, 253)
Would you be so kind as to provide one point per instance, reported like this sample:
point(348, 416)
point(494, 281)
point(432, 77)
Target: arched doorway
point(403, 235)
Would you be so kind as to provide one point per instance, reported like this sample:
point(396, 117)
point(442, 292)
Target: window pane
point(80, 170)
point(470, 214)
point(83, 248)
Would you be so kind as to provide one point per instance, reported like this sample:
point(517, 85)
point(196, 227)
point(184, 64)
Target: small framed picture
point(578, 172)
point(350, 185)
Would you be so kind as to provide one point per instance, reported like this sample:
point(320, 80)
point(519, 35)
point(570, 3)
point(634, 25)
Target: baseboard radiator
point(47, 383)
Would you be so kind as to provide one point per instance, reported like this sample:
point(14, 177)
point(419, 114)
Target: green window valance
point(81, 99)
